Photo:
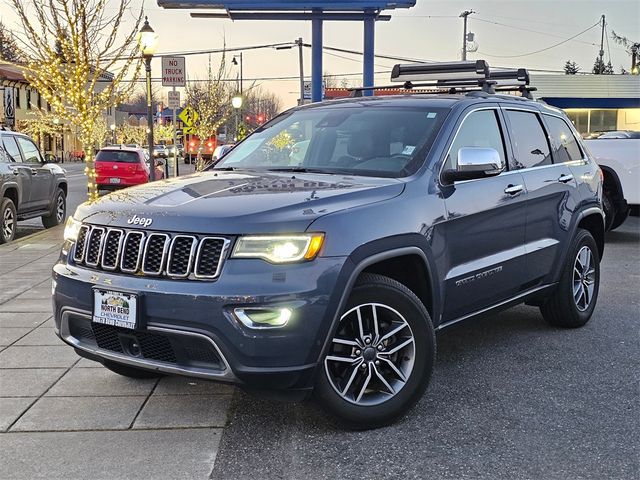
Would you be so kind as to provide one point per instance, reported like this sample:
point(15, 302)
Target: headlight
point(279, 249)
point(71, 229)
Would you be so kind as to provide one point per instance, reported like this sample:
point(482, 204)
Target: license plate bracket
point(115, 308)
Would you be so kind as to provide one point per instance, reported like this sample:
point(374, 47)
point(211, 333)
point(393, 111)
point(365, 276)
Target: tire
point(564, 308)
point(8, 220)
point(621, 216)
point(351, 389)
point(58, 212)
point(609, 208)
point(131, 372)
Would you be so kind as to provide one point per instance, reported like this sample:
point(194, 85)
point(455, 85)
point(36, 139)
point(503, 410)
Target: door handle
point(16, 171)
point(34, 171)
point(565, 178)
point(513, 189)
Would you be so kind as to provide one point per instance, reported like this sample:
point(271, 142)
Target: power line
point(546, 48)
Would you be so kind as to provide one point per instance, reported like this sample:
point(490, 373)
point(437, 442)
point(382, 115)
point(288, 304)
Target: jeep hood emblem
point(136, 220)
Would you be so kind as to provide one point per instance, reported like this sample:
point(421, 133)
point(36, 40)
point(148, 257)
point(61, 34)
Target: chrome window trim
point(225, 374)
point(106, 235)
point(98, 256)
point(163, 254)
point(140, 251)
point(223, 254)
point(84, 245)
point(194, 244)
point(444, 158)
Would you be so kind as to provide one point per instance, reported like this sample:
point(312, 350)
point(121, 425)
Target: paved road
point(510, 398)
point(77, 194)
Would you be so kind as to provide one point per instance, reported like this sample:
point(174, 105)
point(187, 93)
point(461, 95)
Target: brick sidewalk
point(66, 417)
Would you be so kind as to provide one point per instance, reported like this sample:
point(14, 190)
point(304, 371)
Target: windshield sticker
point(408, 150)
point(431, 115)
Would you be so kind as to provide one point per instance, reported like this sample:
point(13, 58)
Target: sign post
point(174, 75)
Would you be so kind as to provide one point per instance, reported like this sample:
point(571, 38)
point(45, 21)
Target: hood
point(236, 202)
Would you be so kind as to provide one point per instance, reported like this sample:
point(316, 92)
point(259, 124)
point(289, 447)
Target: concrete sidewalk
point(66, 417)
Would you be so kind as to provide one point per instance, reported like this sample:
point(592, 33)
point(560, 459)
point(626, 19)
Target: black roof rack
point(455, 77)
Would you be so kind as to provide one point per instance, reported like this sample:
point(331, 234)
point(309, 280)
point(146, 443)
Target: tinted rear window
point(117, 156)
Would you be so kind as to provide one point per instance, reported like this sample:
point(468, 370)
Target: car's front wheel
point(380, 358)
point(8, 219)
point(58, 211)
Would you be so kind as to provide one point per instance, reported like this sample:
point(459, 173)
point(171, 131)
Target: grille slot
point(152, 346)
point(150, 253)
point(111, 249)
point(181, 255)
point(94, 245)
point(132, 252)
point(210, 253)
point(154, 253)
point(107, 337)
point(81, 243)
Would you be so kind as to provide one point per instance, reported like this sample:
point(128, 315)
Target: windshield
point(362, 140)
point(120, 156)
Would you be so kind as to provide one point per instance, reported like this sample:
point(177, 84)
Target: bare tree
point(211, 99)
point(9, 50)
point(77, 57)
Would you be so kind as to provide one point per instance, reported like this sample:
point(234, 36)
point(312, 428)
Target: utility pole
point(464, 16)
point(602, 47)
point(301, 59)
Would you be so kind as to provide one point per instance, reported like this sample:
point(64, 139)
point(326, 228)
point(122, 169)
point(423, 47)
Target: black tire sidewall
point(402, 300)
point(609, 211)
point(51, 220)
point(4, 204)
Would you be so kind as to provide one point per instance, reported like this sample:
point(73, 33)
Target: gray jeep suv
point(330, 272)
point(29, 185)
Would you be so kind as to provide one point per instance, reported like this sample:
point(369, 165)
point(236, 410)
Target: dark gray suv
point(329, 271)
point(30, 186)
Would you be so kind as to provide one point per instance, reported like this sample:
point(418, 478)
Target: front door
point(20, 171)
point(485, 227)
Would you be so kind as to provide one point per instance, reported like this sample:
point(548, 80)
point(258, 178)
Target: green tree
point(9, 51)
point(571, 68)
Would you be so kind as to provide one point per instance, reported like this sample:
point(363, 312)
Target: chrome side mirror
point(475, 162)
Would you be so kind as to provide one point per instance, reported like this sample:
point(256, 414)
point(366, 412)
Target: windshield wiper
point(224, 169)
point(301, 170)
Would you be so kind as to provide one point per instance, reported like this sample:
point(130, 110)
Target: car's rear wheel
point(131, 372)
point(8, 220)
point(380, 358)
point(574, 299)
point(58, 211)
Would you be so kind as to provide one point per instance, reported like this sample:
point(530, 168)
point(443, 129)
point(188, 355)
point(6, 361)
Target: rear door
point(485, 225)
point(542, 157)
point(42, 178)
point(20, 171)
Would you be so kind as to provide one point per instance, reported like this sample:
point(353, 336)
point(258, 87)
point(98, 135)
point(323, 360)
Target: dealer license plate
point(114, 180)
point(115, 308)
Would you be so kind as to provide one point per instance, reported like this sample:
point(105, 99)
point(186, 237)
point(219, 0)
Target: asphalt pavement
point(510, 398)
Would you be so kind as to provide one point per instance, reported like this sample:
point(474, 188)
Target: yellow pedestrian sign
point(189, 116)
point(188, 130)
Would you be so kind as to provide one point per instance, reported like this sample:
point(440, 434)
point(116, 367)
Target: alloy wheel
point(584, 278)
point(8, 222)
point(372, 355)
point(60, 209)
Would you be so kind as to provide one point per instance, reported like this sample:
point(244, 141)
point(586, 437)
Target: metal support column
point(316, 56)
point(369, 48)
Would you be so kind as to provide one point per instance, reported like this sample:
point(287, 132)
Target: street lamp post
point(113, 133)
point(148, 41)
point(236, 102)
point(235, 62)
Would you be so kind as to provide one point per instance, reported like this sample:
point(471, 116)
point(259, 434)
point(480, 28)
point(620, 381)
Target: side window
point(11, 147)
point(530, 144)
point(479, 129)
point(29, 149)
point(4, 158)
point(565, 145)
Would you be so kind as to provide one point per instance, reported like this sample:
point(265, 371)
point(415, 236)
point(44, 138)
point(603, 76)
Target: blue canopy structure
point(366, 11)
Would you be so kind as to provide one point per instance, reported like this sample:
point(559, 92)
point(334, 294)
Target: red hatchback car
point(123, 167)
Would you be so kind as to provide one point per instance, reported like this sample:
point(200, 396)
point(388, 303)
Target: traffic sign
point(174, 99)
point(189, 116)
point(173, 72)
point(189, 130)
point(307, 90)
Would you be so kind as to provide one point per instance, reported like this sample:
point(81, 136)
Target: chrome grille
point(150, 253)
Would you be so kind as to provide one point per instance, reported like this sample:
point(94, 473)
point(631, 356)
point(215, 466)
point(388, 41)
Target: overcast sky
point(430, 31)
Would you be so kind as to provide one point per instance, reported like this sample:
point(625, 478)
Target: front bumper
point(192, 315)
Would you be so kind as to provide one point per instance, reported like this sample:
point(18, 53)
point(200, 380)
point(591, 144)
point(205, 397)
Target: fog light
point(263, 317)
